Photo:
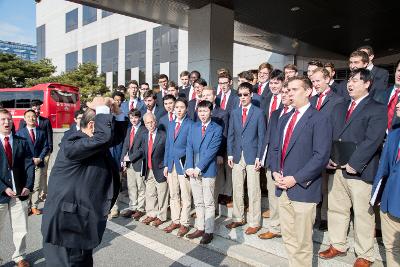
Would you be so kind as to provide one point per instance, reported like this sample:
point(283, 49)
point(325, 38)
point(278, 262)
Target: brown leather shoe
point(234, 225)
point(36, 211)
point(148, 220)
point(137, 215)
point(207, 238)
point(330, 253)
point(268, 235)
point(360, 262)
point(127, 213)
point(157, 222)
point(266, 214)
point(252, 230)
point(195, 234)
point(171, 227)
point(183, 230)
point(23, 263)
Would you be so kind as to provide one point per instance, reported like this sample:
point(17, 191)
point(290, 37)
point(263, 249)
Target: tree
point(84, 77)
point(15, 71)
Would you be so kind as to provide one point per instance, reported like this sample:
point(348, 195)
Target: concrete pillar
point(121, 61)
point(210, 41)
point(149, 57)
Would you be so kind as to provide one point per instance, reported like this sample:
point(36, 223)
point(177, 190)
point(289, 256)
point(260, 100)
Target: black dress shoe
point(206, 238)
point(323, 225)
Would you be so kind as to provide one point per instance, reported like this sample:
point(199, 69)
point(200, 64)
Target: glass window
point(89, 54)
point(41, 41)
point(19, 99)
point(64, 97)
point(135, 54)
point(71, 61)
point(71, 20)
point(105, 13)
point(109, 56)
point(89, 15)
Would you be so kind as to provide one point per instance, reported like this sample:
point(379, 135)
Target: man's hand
point(196, 173)
point(257, 165)
point(278, 177)
point(126, 158)
point(349, 169)
point(100, 101)
point(189, 172)
point(25, 191)
point(165, 172)
point(331, 165)
point(36, 161)
point(289, 181)
point(230, 163)
point(220, 160)
point(10, 192)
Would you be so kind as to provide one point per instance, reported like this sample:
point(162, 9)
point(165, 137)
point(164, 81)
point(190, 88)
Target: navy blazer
point(201, 152)
point(184, 91)
point(45, 125)
point(137, 165)
point(175, 148)
point(157, 155)
point(366, 127)
point(221, 117)
point(23, 169)
point(125, 106)
point(159, 112)
point(163, 123)
point(306, 156)
point(40, 148)
point(83, 186)
point(250, 138)
point(191, 110)
point(233, 101)
point(396, 120)
point(390, 167)
point(272, 135)
point(330, 101)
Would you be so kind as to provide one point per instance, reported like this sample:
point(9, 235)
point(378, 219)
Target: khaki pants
point(45, 169)
point(223, 182)
point(180, 197)
point(203, 196)
point(18, 211)
point(136, 189)
point(391, 238)
point(344, 194)
point(239, 172)
point(156, 197)
point(297, 220)
point(39, 186)
point(274, 224)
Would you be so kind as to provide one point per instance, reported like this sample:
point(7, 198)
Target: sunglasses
point(245, 94)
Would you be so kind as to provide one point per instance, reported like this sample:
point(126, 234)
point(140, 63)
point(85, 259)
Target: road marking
point(156, 246)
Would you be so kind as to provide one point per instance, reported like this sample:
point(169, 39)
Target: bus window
point(64, 97)
point(19, 99)
point(7, 99)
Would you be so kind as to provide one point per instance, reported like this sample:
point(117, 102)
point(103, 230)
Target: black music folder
point(342, 151)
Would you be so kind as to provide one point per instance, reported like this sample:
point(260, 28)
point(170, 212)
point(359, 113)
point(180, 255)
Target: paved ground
point(125, 243)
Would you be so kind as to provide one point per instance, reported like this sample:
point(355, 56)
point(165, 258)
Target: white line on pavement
point(156, 246)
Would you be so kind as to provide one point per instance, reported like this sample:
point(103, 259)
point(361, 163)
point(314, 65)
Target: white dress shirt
point(10, 140)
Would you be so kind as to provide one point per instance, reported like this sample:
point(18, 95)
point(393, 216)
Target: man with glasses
point(290, 70)
point(198, 86)
point(133, 102)
point(245, 149)
point(163, 84)
point(144, 87)
point(227, 100)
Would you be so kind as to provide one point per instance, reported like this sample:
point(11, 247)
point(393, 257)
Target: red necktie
point(259, 89)
point(351, 109)
point(392, 107)
point(320, 98)
point(32, 134)
point(223, 103)
point(398, 154)
point(178, 126)
point(8, 150)
point(170, 116)
point(131, 137)
point(285, 109)
point(194, 94)
point(149, 151)
point(288, 135)
point(203, 131)
point(131, 106)
point(244, 116)
point(273, 106)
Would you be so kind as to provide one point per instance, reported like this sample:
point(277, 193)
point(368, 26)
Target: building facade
point(24, 51)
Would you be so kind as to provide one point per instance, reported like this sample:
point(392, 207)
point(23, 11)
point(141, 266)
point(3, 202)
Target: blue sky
point(17, 21)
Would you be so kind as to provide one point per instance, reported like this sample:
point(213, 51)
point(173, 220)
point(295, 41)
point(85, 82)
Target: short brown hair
point(172, 84)
point(247, 75)
point(133, 82)
point(225, 75)
point(329, 65)
point(325, 72)
point(222, 70)
point(163, 76)
point(369, 49)
point(184, 73)
point(4, 111)
point(290, 67)
point(306, 81)
point(265, 65)
point(316, 62)
point(148, 94)
point(362, 54)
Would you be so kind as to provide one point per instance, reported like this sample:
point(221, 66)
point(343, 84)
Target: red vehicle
point(59, 102)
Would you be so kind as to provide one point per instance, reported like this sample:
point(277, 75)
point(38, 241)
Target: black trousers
point(57, 256)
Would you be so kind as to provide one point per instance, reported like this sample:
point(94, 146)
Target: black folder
point(342, 151)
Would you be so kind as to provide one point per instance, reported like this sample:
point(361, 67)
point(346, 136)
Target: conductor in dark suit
point(298, 159)
point(361, 121)
point(83, 187)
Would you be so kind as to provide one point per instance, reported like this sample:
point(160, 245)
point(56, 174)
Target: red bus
point(59, 102)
